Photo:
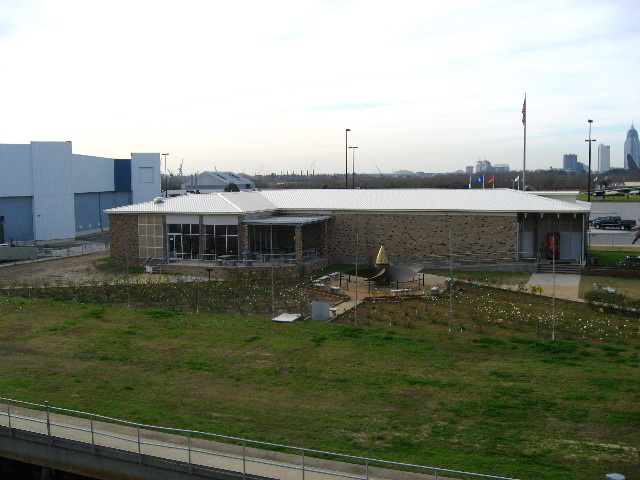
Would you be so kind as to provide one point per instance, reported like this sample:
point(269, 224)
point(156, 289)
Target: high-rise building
point(631, 147)
point(604, 158)
point(570, 162)
point(483, 166)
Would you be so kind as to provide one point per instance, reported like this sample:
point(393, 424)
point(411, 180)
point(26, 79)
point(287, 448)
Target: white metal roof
point(288, 220)
point(213, 203)
point(387, 200)
point(428, 200)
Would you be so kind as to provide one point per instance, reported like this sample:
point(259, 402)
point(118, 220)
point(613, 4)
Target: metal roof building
point(208, 181)
point(47, 192)
point(317, 227)
point(384, 200)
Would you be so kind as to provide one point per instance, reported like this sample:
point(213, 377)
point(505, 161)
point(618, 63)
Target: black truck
point(614, 222)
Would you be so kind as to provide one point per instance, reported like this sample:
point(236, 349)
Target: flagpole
point(483, 182)
point(524, 152)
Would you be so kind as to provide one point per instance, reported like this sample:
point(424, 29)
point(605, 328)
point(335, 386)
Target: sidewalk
point(197, 451)
point(567, 285)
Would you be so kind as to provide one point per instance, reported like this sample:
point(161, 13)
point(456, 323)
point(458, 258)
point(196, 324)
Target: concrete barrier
point(14, 254)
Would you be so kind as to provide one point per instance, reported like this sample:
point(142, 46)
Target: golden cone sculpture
point(381, 259)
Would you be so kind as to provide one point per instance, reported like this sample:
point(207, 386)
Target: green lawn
point(496, 278)
point(630, 287)
point(488, 397)
point(617, 259)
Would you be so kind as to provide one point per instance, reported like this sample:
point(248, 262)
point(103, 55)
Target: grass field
point(505, 278)
point(630, 287)
point(489, 397)
point(617, 259)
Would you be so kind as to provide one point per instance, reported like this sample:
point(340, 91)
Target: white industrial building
point(211, 182)
point(47, 192)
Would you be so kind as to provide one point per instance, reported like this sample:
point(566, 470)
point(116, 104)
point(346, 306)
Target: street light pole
point(346, 158)
point(166, 179)
point(589, 174)
point(353, 167)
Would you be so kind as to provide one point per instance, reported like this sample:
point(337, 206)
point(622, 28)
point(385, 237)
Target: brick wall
point(123, 238)
point(415, 236)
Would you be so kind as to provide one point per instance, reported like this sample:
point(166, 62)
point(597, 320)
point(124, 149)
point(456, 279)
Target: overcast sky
point(424, 86)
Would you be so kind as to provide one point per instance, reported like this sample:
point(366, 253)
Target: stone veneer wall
point(123, 238)
point(409, 237)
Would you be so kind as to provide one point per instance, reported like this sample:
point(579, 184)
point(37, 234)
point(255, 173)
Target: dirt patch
point(74, 269)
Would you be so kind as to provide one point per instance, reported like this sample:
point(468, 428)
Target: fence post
point(9, 414)
point(302, 464)
point(93, 443)
point(436, 474)
point(244, 459)
point(190, 466)
point(139, 450)
point(366, 464)
point(48, 422)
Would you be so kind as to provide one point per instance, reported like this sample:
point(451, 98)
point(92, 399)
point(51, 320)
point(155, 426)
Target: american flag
point(524, 111)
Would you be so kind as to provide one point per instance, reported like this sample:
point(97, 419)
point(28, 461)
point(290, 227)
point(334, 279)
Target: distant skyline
point(242, 85)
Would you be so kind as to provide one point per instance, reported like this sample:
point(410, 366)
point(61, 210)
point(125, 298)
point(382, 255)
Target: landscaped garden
point(493, 395)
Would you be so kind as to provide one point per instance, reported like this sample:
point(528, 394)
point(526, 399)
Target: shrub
point(603, 296)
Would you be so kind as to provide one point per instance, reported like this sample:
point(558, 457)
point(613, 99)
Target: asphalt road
point(610, 237)
point(628, 211)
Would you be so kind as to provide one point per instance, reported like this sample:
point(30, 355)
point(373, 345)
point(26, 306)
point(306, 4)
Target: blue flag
point(480, 179)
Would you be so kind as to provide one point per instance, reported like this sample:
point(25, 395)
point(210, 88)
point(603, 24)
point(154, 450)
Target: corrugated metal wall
point(15, 171)
point(52, 192)
point(89, 209)
point(91, 174)
point(122, 175)
point(112, 200)
point(18, 218)
point(141, 189)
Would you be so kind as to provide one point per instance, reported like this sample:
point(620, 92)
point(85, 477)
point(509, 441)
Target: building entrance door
point(175, 245)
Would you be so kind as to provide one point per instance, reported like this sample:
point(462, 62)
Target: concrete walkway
point(200, 452)
point(567, 285)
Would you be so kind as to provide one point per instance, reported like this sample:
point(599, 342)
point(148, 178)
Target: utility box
point(320, 311)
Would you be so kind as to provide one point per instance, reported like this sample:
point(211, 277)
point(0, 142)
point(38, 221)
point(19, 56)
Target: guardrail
point(137, 439)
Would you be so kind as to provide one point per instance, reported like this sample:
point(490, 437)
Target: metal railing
point(137, 439)
point(68, 250)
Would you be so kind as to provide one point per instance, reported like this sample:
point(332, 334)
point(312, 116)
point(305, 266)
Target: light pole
point(166, 179)
point(353, 167)
point(346, 158)
point(589, 174)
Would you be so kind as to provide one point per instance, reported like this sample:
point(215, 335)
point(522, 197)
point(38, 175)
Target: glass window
point(221, 245)
point(232, 245)
point(232, 229)
point(186, 229)
point(195, 229)
point(209, 230)
point(209, 246)
point(173, 228)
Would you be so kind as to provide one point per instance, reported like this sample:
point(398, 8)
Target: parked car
point(593, 220)
point(614, 222)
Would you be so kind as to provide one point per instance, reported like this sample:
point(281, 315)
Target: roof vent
point(158, 200)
